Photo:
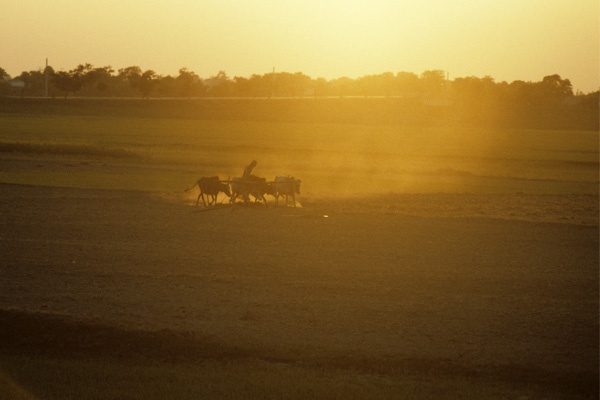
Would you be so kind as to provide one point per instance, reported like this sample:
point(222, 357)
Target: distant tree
point(590, 100)
point(362, 86)
point(129, 76)
point(66, 82)
point(468, 89)
point(242, 86)
point(147, 82)
point(322, 87)
point(433, 82)
point(4, 76)
point(555, 89)
point(291, 85)
point(255, 86)
point(83, 70)
point(188, 84)
point(100, 79)
point(385, 84)
point(73, 80)
point(34, 82)
point(406, 84)
point(166, 86)
point(144, 82)
point(219, 85)
point(475, 100)
point(341, 87)
point(130, 73)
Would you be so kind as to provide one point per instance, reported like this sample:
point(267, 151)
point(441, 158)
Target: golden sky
point(507, 40)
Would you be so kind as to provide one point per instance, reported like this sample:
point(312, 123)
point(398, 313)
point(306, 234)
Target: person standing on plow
point(248, 171)
point(251, 184)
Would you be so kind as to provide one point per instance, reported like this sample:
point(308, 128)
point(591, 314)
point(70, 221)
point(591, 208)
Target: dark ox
point(286, 186)
point(210, 187)
point(244, 187)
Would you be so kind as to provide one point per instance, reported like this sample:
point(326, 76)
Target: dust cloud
point(344, 160)
point(383, 159)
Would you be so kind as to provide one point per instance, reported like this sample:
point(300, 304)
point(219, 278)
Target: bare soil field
point(503, 285)
point(433, 261)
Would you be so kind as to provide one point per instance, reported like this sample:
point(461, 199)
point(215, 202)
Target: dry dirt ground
point(509, 281)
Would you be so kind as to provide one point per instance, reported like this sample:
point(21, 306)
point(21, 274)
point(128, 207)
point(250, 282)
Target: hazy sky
point(506, 39)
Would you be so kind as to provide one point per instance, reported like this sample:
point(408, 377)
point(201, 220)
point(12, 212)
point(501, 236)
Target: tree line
point(88, 81)
point(470, 98)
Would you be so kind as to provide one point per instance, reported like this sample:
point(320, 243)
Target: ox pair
point(210, 187)
point(282, 186)
point(286, 186)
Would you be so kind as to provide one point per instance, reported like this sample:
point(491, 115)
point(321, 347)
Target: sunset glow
point(509, 40)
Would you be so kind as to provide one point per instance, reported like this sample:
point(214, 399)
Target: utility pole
point(273, 84)
point(46, 79)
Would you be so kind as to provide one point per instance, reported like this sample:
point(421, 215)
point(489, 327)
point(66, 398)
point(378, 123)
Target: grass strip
point(65, 150)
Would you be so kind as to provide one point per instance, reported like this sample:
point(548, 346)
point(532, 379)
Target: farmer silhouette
point(248, 171)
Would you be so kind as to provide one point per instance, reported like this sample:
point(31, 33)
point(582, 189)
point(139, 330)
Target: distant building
point(16, 84)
